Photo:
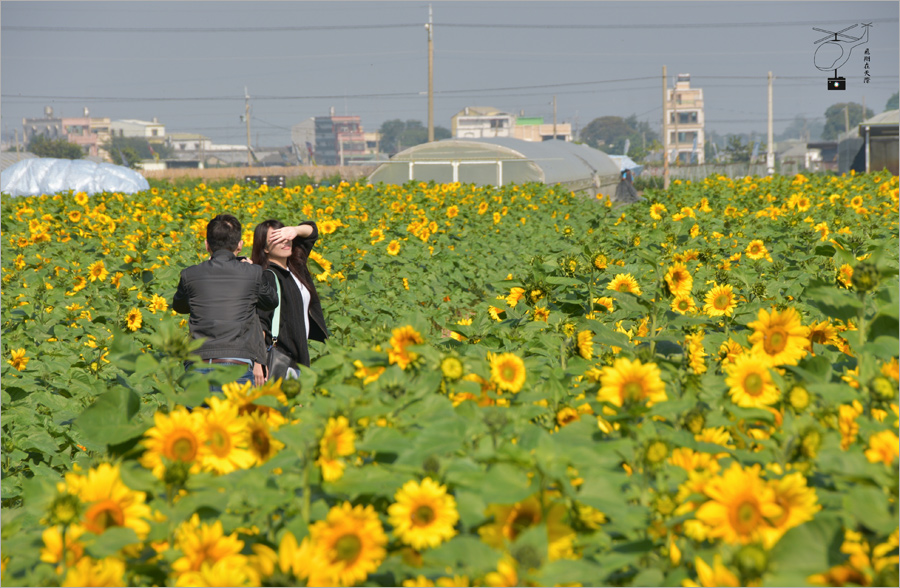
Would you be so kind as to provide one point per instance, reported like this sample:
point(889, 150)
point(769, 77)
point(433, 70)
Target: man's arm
point(181, 303)
point(267, 297)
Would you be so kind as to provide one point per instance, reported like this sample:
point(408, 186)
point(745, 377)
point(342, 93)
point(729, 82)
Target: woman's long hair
point(296, 260)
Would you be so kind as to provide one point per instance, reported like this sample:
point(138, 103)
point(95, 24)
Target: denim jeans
point(205, 368)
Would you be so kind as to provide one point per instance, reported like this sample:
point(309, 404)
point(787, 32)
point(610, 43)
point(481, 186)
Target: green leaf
point(110, 542)
point(110, 420)
point(870, 507)
point(804, 550)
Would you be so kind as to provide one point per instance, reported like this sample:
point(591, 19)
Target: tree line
point(610, 134)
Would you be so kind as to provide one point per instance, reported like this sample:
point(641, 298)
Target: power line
point(273, 29)
point(132, 30)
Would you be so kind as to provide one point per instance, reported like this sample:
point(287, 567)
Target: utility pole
point(665, 131)
point(554, 117)
point(847, 117)
point(247, 120)
point(770, 151)
point(675, 118)
point(17, 144)
point(430, 27)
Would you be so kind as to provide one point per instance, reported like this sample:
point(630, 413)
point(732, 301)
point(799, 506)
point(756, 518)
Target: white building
point(138, 128)
point(685, 121)
point(188, 142)
point(482, 122)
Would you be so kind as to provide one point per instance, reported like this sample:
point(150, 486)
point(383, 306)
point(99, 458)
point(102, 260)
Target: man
point(222, 295)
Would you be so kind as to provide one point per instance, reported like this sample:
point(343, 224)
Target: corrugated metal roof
point(8, 158)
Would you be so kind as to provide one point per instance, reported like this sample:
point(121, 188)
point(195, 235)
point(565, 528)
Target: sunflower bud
point(656, 452)
point(798, 398)
point(665, 505)
point(809, 443)
point(882, 389)
point(751, 562)
point(291, 387)
point(431, 465)
point(528, 557)
point(865, 277)
point(695, 421)
point(452, 368)
point(64, 510)
point(177, 473)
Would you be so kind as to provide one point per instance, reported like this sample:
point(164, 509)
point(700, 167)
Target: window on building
point(499, 123)
point(154, 132)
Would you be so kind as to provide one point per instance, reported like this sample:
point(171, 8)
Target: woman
point(285, 251)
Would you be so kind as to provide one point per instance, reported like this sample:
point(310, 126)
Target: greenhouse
point(500, 161)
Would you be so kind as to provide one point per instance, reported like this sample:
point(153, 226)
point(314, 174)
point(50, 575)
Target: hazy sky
point(187, 63)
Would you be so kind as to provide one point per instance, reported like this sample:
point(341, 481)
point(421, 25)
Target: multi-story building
point(150, 130)
point(339, 140)
point(685, 121)
point(49, 126)
point(479, 122)
point(533, 128)
point(180, 142)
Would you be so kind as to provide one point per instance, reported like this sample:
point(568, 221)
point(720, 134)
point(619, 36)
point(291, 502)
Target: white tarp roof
point(33, 177)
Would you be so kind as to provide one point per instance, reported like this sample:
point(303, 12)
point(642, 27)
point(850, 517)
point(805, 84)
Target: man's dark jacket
point(292, 332)
point(222, 295)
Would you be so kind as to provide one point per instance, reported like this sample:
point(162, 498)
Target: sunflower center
point(103, 515)
point(508, 372)
point(260, 441)
point(632, 391)
point(721, 301)
point(523, 520)
point(347, 548)
point(746, 517)
point(183, 447)
point(775, 341)
point(753, 384)
point(220, 442)
point(423, 516)
point(682, 305)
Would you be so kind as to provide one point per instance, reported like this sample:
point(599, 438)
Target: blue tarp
point(33, 177)
point(624, 162)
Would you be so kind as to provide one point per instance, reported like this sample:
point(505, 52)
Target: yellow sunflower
point(177, 436)
point(401, 338)
point(631, 381)
point(510, 520)
point(605, 302)
point(541, 313)
point(750, 384)
point(97, 271)
point(756, 249)
point(586, 344)
point(684, 305)
point(133, 319)
point(720, 301)
point(883, 447)
point(567, 415)
point(19, 361)
point(715, 575)
point(624, 283)
point(740, 506)
point(393, 247)
point(797, 502)
point(245, 395)
point(201, 543)
point(347, 546)
point(108, 501)
point(109, 571)
point(337, 441)
point(696, 353)
point(845, 275)
point(261, 443)
point(515, 294)
point(779, 337)
point(657, 210)
point(424, 514)
point(230, 571)
point(679, 280)
point(226, 438)
point(822, 332)
point(507, 371)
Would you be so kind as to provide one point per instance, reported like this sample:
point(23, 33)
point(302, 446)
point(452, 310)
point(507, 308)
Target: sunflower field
point(523, 386)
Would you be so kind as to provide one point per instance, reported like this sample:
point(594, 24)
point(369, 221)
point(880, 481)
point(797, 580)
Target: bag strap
point(276, 318)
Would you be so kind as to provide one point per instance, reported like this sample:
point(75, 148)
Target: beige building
point(481, 122)
point(533, 128)
point(685, 121)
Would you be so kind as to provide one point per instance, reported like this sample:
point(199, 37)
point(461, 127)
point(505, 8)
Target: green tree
point(736, 150)
point(610, 134)
point(893, 102)
point(41, 146)
point(836, 119)
point(141, 147)
point(397, 135)
point(802, 128)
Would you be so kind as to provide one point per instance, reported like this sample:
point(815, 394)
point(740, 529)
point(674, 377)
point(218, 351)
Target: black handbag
point(277, 361)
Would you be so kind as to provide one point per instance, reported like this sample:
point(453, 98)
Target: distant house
point(481, 122)
point(330, 140)
point(533, 128)
point(50, 126)
point(191, 142)
point(150, 130)
point(880, 140)
point(686, 122)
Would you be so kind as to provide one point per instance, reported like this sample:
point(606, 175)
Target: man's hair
point(223, 232)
